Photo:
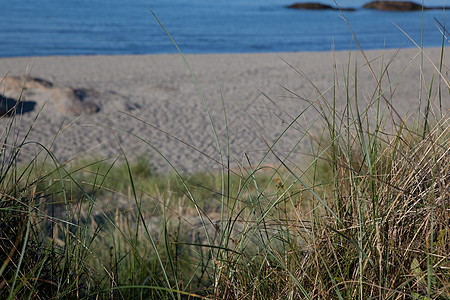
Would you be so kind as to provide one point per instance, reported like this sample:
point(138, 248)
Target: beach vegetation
point(365, 215)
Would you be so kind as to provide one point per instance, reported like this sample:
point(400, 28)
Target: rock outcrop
point(378, 5)
point(66, 100)
point(316, 6)
point(73, 102)
point(397, 6)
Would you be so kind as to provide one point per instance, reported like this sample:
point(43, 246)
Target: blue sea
point(94, 27)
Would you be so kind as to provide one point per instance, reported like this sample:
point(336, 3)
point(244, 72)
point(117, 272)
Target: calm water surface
point(81, 27)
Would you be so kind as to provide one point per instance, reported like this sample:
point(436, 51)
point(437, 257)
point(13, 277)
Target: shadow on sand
point(10, 106)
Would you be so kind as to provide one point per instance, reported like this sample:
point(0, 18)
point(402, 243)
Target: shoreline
point(158, 89)
point(354, 50)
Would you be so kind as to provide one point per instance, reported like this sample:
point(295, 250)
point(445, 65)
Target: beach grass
point(365, 215)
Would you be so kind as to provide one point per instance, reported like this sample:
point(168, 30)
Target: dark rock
point(310, 6)
point(397, 6)
point(316, 6)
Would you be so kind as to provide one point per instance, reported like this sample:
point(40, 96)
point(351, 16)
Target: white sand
point(159, 90)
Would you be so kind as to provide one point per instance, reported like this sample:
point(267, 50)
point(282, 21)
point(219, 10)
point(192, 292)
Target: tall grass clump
point(45, 220)
point(368, 217)
point(382, 231)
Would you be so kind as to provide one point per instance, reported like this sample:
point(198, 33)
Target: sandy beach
point(261, 93)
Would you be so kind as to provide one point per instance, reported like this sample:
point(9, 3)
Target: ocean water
point(93, 27)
